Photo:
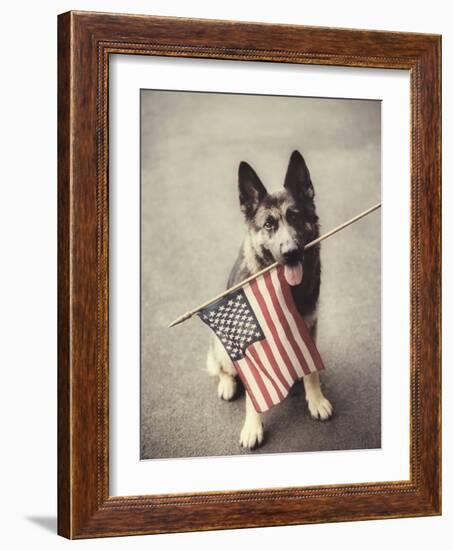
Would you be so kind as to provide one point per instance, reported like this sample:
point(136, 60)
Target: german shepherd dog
point(278, 226)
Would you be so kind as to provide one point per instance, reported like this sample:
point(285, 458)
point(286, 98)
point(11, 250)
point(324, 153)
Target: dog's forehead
point(275, 205)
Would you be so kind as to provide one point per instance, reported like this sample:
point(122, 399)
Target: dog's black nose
point(292, 257)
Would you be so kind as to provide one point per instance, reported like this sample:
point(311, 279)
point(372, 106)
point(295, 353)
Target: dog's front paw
point(252, 434)
point(227, 387)
point(320, 408)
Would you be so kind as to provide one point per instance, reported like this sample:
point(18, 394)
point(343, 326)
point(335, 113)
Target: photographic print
point(290, 361)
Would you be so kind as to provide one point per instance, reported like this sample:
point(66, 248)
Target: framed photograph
point(249, 275)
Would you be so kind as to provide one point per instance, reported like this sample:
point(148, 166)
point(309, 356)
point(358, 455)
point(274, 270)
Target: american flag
point(265, 336)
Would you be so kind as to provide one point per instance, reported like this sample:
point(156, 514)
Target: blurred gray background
point(192, 228)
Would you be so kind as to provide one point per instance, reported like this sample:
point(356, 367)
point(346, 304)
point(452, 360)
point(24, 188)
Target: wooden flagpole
point(192, 312)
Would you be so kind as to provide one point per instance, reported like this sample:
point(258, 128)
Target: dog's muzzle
point(292, 257)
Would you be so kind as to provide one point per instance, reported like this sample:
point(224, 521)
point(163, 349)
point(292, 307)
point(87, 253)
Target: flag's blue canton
point(234, 322)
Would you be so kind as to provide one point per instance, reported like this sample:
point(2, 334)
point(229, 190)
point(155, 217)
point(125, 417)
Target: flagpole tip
point(181, 319)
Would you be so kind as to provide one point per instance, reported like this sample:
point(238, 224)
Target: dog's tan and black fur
point(278, 226)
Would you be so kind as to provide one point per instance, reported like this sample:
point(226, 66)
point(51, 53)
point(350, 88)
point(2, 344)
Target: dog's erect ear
point(297, 179)
point(251, 190)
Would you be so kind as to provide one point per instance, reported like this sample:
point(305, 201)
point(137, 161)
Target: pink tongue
point(293, 274)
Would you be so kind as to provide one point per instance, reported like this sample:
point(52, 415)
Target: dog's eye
point(270, 224)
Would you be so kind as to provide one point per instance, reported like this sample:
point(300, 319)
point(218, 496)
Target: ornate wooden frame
point(85, 42)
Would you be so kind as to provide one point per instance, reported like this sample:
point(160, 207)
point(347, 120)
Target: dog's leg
point(318, 405)
point(226, 387)
point(219, 364)
point(252, 431)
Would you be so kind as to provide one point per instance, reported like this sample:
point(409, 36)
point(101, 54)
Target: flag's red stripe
point(260, 366)
point(262, 305)
point(273, 361)
point(259, 381)
point(285, 325)
point(303, 331)
point(272, 354)
point(248, 389)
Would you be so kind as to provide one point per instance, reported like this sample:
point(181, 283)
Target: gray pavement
point(191, 231)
